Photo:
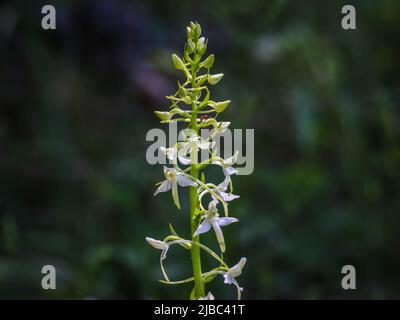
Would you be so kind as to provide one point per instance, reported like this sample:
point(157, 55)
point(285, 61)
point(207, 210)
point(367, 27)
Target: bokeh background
point(75, 106)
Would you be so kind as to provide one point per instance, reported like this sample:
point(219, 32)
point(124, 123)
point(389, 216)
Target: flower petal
point(225, 221)
point(165, 186)
point(228, 196)
point(156, 243)
point(223, 185)
point(228, 278)
point(185, 182)
point(219, 234)
point(175, 194)
point(184, 160)
point(204, 227)
point(236, 270)
point(230, 171)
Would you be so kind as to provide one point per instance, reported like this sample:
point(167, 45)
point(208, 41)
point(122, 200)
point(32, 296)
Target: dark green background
point(75, 106)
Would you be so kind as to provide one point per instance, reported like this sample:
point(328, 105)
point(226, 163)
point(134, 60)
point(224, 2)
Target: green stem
point(199, 289)
point(196, 258)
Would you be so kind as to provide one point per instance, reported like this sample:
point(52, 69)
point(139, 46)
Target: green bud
point(215, 78)
point(221, 106)
point(197, 31)
point(200, 42)
point(202, 49)
point(190, 46)
point(187, 100)
point(182, 92)
point(178, 62)
point(192, 25)
point(208, 63)
point(188, 32)
point(163, 115)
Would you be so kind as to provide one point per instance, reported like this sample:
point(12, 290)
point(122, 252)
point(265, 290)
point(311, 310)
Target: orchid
point(234, 272)
point(211, 219)
point(227, 164)
point(221, 190)
point(173, 179)
point(191, 104)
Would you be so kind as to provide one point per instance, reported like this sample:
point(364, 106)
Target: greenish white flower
point(174, 178)
point(221, 191)
point(164, 247)
point(173, 154)
point(234, 272)
point(193, 143)
point(226, 164)
point(212, 219)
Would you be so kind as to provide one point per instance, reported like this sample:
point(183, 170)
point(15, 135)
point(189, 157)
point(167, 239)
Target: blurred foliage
point(76, 103)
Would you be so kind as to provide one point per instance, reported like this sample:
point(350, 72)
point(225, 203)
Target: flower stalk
point(193, 99)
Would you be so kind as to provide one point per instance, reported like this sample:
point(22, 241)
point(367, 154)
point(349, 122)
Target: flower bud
point(182, 92)
point(221, 106)
point(178, 62)
point(201, 42)
point(215, 78)
point(163, 115)
point(190, 46)
point(208, 63)
point(187, 100)
point(188, 32)
point(197, 31)
point(156, 243)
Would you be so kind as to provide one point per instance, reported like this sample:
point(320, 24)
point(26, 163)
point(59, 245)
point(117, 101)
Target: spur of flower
point(212, 219)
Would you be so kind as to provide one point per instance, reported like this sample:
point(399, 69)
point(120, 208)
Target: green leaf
point(193, 294)
point(208, 63)
point(172, 230)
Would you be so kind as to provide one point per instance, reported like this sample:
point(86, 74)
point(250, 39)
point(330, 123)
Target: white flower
point(174, 178)
point(227, 164)
point(193, 142)
point(172, 155)
point(211, 219)
point(220, 128)
point(221, 190)
point(234, 272)
point(161, 245)
point(164, 247)
point(209, 296)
